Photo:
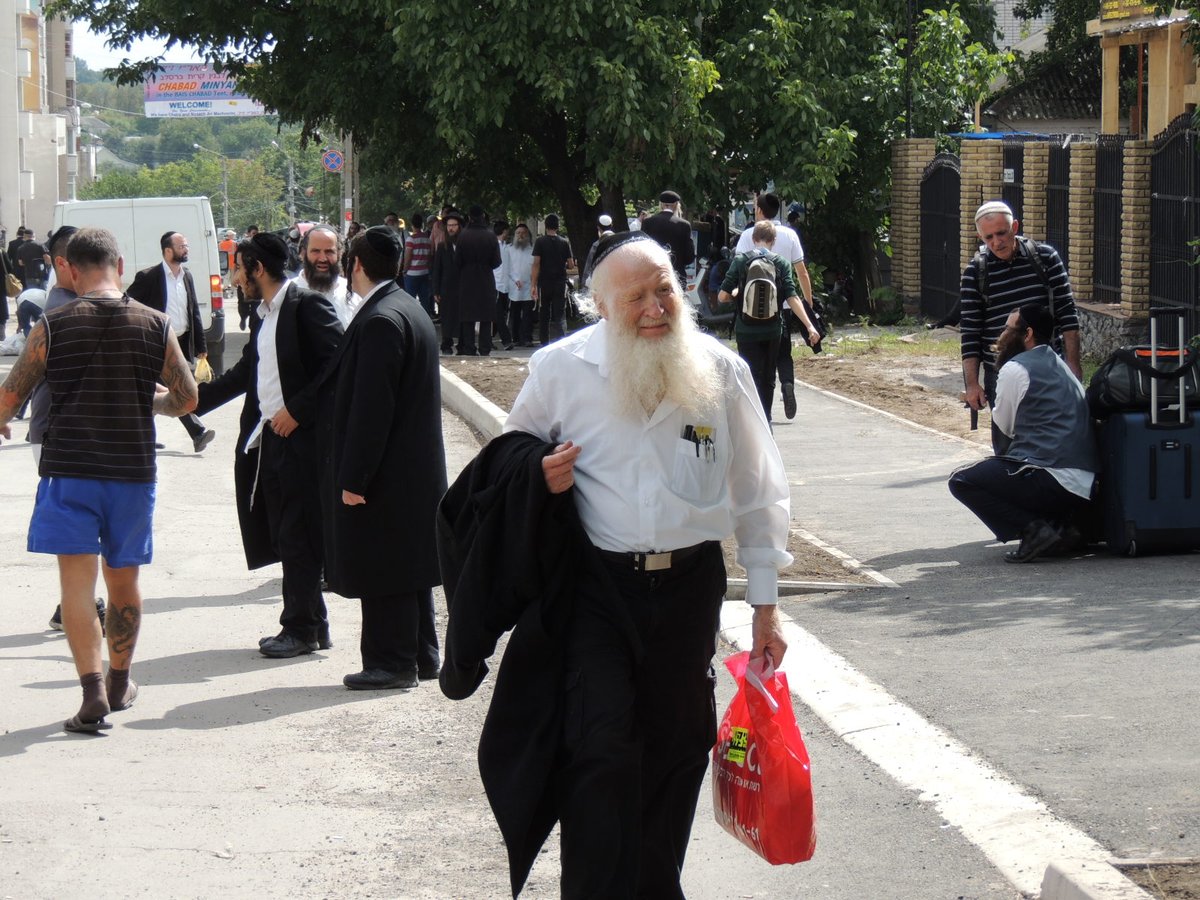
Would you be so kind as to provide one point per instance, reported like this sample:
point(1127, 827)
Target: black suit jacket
point(150, 287)
point(306, 337)
point(673, 233)
point(380, 435)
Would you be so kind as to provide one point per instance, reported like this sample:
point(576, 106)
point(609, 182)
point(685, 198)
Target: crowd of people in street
point(591, 528)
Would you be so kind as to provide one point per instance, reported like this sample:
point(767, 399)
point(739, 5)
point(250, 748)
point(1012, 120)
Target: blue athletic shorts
point(94, 515)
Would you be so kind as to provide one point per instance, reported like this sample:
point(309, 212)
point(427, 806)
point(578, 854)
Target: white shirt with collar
point(673, 479)
point(177, 302)
point(787, 242)
point(270, 385)
point(379, 285)
point(344, 300)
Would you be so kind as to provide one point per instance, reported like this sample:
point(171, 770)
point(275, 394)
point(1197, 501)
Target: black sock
point(95, 704)
point(118, 685)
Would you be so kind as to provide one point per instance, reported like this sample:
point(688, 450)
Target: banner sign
point(194, 90)
point(1115, 10)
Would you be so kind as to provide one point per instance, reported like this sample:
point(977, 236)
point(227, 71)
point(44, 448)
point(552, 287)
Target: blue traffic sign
point(333, 160)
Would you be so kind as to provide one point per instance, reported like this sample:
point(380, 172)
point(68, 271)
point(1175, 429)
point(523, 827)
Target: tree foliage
point(583, 105)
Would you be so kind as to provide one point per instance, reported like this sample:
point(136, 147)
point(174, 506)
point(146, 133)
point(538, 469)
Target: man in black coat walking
point(383, 469)
point(446, 282)
point(170, 289)
point(293, 334)
point(478, 257)
point(672, 231)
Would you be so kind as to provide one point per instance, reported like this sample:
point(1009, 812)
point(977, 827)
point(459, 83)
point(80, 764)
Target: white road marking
point(846, 559)
point(1014, 830)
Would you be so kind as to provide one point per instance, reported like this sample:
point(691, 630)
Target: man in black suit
point(672, 231)
point(446, 281)
point(13, 246)
point(293, 334)
point(170, 289)
point(384, 470)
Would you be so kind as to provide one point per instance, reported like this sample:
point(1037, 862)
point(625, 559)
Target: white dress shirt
point(344, 300)
point(177, 306)
point(501, 271)
point(787, 243)
point(671, 480)
point(270, 385)
point(520, 268)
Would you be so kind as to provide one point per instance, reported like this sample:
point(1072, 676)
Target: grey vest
point(1053, 428)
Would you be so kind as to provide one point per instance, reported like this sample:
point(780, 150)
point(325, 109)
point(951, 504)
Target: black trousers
point(287, 483)
point(784, 362)
point(639, 721)
point(466, 338)
point(1006, 499)
point(506, 336)
point(552, 305)
point(398, 632)
point(761, 357)
point(520, 321)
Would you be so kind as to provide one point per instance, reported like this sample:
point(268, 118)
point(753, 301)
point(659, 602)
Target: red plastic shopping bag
point(762, 787)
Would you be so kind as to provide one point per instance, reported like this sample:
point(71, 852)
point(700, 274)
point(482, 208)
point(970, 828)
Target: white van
point(139, 225)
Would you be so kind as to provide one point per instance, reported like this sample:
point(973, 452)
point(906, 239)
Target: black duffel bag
point(1122, 383)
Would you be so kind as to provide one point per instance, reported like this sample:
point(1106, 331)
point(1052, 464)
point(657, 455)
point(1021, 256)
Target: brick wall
point(1082, 218)
point(909, 159)
point(1135, 229)
point(982, 171)
point(1037, 175)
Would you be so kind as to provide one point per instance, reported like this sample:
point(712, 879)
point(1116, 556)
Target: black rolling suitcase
point(1149, 466)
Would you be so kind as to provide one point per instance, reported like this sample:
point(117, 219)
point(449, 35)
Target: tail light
point(216, 292)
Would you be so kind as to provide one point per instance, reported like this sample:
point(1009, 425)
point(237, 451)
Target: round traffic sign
point(333, 160)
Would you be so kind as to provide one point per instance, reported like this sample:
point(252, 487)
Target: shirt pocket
point(696, 476)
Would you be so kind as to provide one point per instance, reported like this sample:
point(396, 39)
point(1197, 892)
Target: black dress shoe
point(379, 679)
point(285, 646)
point(428, 673)
point(324, 641)
point(1038, 539)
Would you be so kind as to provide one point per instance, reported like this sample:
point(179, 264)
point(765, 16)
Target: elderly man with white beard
point(321, 271)
point(659, 434)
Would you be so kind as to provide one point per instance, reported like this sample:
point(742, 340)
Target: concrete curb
point(1086, 880)
point(477, 410)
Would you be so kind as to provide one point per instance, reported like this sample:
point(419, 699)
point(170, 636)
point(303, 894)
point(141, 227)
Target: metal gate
point(941, 270)
point(1012, 190)
point(1175, 220)
point(1106, 259)
point(1058, 202)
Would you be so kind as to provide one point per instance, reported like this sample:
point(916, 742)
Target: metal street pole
point(224, 182)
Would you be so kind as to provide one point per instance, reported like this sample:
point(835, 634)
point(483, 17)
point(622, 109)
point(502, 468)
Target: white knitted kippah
point(991, 208)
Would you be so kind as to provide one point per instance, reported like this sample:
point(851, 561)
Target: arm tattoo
point(181, 396)
point(122, 625)
point(28, 370)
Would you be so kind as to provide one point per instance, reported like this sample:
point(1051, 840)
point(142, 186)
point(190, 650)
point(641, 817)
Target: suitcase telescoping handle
point(1155, 315)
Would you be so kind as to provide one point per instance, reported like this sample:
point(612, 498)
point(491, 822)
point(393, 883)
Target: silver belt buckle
point(656, 562)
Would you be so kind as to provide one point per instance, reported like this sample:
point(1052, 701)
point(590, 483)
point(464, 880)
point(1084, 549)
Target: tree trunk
point(866, 275)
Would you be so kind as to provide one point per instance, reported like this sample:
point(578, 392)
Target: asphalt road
point(240, 775)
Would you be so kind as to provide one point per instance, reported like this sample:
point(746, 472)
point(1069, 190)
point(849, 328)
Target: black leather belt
point(650, 561)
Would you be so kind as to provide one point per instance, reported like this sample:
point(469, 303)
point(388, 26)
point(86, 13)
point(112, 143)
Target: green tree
point(570, 104)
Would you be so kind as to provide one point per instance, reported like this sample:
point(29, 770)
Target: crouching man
point(1038, 485)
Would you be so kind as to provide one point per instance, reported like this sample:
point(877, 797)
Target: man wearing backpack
point(762, 279)
point(1009, 272)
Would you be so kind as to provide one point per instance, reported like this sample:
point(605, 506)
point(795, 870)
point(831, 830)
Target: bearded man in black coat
point(384, 469)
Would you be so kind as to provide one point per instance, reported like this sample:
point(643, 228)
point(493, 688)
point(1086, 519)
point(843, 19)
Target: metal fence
point(1106, 260)
point(1175, 220)
point(1058, 202)
point(941, 271)
point(1012, 190)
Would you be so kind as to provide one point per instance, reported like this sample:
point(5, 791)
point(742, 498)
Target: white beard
point(677, 367)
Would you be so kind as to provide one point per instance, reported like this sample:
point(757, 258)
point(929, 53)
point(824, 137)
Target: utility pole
point(224, 182)
point(291, 185)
